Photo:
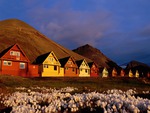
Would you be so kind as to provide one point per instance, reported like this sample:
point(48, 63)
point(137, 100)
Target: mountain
point(141, 67)
point(97, 56)
point(30, 40)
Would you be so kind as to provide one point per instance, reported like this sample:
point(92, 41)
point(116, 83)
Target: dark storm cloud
point(78, 27)
point(120, 29)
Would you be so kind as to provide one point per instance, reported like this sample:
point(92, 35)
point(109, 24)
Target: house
point(131, 73)
point(137, 74)
point(94, 70)
point(13, 61)
point(105, 72)
point(33, 70)
point(122, 73)
point(49, 65)
point(70, 67)
point(84, 69)
point(114, 72)
point(148, 74)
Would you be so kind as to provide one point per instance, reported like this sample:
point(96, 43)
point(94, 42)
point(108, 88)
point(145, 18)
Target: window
point(73, 69)
point(22, 65)
point(55, 67)
point(69, 62)
point(51, 59)
point(14, 53)
point(7, 63)
point(86, 70)
point(11, 52)
point(17, 54)
point(66, 68)
point(45, 66)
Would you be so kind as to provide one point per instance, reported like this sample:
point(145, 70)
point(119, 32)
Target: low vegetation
point(9, 83)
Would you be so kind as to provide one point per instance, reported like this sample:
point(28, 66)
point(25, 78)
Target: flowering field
point(64, 100)
point(79, 95)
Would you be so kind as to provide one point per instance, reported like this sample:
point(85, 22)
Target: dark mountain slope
point(96, 55)
point(141, 67)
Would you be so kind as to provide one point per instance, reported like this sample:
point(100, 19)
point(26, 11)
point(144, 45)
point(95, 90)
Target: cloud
point(115, 29)
point(62, 23)
point(145, 32)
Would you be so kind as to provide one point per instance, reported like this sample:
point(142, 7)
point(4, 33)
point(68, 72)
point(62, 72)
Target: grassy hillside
point(31, 41)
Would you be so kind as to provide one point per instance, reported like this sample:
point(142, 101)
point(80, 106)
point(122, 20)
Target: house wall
point(70, 72)
point(51, 60)
point(61, 72)
point(94, 71)
point(14, 50)
point(105, 73)
point(84, 70)
point(122, 73)
point(51, 72)
point(114, 73)
point(33, 70)
point(70, 69)
point(148, 74)
point(51, 67)
point(0, 65)
point(131, 74)
point(14, 69)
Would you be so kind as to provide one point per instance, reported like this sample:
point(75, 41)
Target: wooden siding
point(105, 72)
point(14, 68)
point(94, 70)
point(70, 67)
point(84, 69)
point(14, 61)
point(33, 70)
point(131, 73)
point(114, 72)
point(50, 66)
point(122, 73)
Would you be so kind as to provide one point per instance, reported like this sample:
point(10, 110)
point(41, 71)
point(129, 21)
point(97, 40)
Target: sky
point(118, 28)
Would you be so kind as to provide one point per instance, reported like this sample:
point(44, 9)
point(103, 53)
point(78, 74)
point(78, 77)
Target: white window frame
point(7, 63)
point(45, 66)
point(15, 53)
point(22, 65)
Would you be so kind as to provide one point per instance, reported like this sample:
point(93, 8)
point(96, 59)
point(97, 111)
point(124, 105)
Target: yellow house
point(131, 74)
point(137, 74)
point(105, 72)
point(49, 65)
point(84, 69)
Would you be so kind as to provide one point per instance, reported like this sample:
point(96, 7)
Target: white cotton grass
point(53, 101)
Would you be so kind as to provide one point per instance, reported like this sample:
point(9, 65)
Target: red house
point(94, 70)
point(122, 73)
point(13, 61)
point(114, 72)
point(70, 67)
point(148, 74)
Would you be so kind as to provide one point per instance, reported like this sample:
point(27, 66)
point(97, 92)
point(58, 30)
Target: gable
point(71, 63)
point(84, 64)
point(51, 59)
point(14, 53)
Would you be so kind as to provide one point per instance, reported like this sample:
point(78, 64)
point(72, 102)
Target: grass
point(9, 83)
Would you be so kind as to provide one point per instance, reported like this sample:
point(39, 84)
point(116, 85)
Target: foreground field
point(9, 83)
point(44, 95)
